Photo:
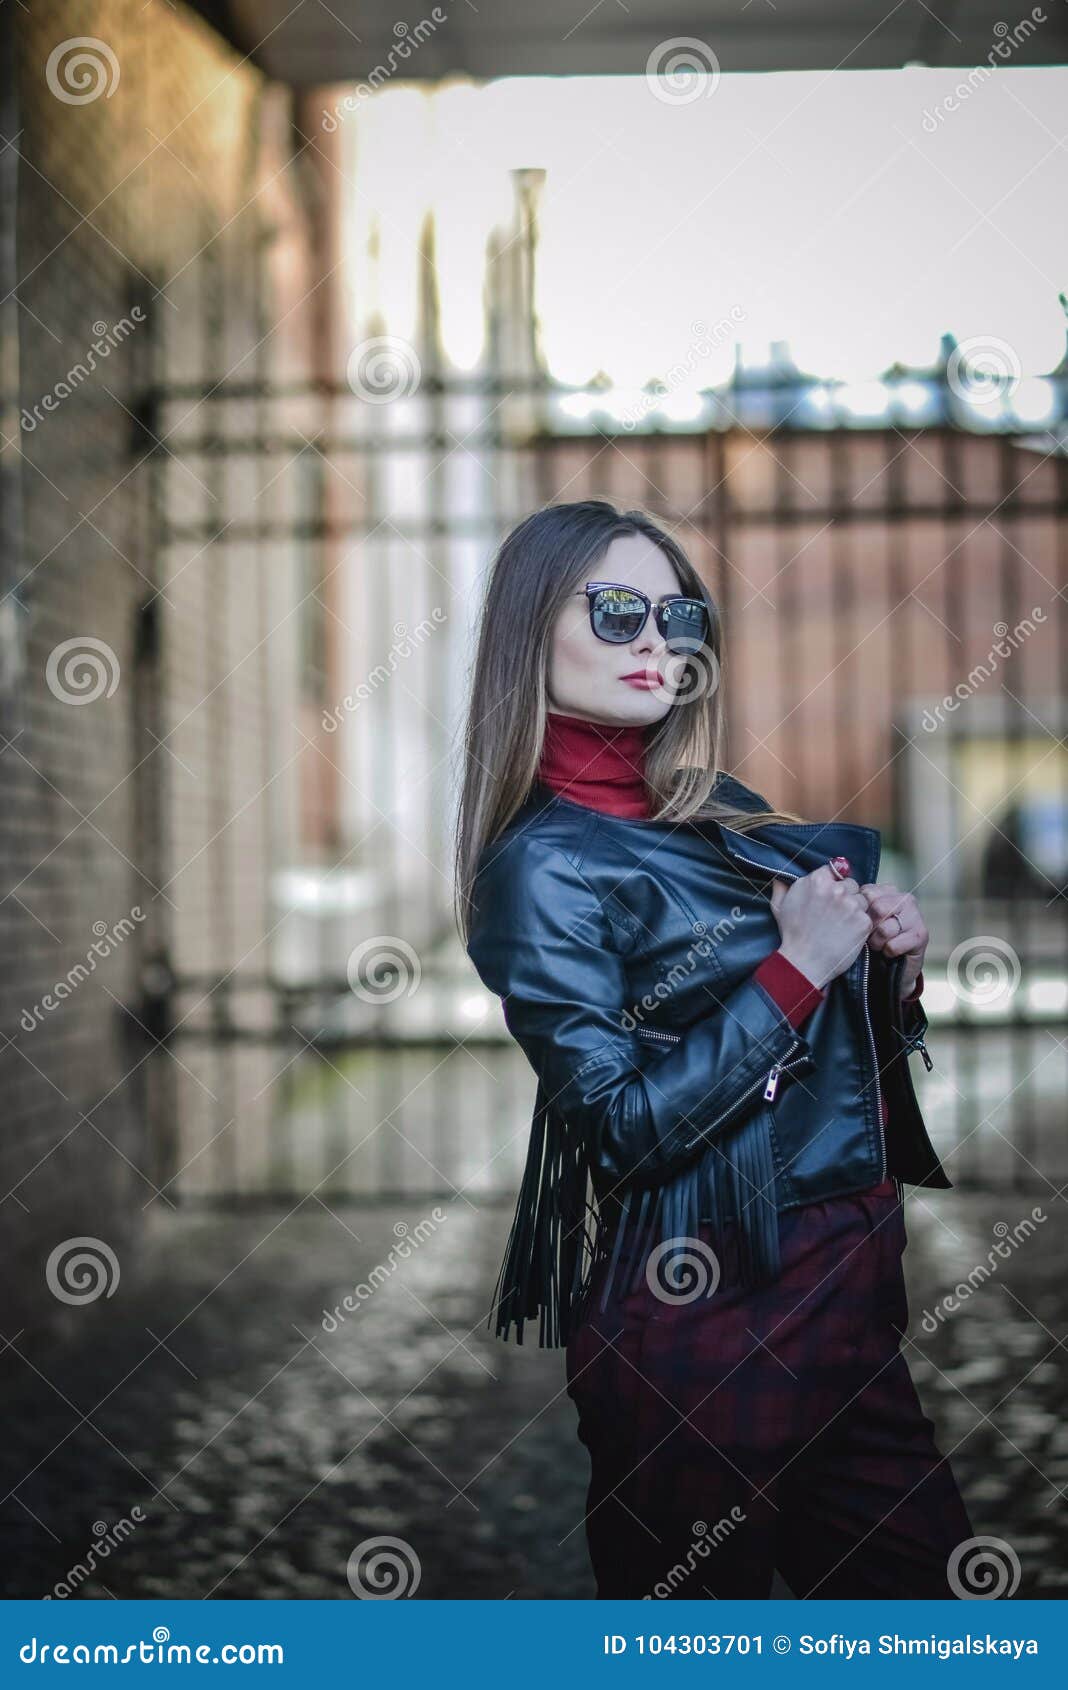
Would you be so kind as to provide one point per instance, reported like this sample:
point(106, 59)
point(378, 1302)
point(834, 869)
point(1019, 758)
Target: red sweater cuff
point(796, 995)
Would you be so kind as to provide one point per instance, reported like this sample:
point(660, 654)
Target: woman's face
point(587, 675)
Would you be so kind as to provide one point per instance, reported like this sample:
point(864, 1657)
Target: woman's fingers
point(898, 928)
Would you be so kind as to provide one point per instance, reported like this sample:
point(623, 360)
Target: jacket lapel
point(777, 847)
point(786, 847)
point(793, 847)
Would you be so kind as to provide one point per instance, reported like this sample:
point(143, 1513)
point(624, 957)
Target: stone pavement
point(212, 1440)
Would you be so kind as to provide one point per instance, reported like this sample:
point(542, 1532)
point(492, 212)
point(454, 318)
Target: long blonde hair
point(543, 560)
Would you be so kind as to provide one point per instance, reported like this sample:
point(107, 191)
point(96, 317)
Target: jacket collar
point(777, 847)
point(797, 847)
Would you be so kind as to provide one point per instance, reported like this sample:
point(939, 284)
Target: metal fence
point(895, 655)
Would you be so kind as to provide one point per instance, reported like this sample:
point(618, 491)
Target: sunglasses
point(618, 614)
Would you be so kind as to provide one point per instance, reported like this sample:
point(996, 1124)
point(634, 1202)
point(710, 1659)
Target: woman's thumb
point(779, 889)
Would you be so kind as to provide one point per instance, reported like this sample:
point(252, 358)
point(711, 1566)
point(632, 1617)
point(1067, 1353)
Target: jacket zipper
point(875, 1062)
point(911, 1041)
point(916, 1043)
point(782, 1066)
point(773, 1078)
point(772, 1083)
point(912, 1120)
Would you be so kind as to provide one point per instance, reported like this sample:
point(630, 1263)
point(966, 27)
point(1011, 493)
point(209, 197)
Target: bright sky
point(849, 213)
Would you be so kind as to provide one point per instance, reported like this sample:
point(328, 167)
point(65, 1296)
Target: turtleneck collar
point(592, 763)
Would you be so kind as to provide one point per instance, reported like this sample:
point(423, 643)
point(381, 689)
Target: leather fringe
point(732, 1182)
point(558, 1240)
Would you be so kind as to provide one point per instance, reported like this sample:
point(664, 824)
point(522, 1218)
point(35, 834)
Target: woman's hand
point(898, 929)
point(824, 921)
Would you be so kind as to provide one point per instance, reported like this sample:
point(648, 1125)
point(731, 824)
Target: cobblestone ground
point(260, 1450)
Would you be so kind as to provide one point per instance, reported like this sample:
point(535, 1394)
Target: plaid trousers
point(747, 1430)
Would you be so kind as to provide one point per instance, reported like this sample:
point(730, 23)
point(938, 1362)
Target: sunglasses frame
point(656, 606)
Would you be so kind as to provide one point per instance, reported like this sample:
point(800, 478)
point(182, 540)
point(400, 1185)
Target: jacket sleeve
point(545, 945)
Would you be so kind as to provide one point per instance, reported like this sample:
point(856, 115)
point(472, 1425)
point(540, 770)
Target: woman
point(719, 1001)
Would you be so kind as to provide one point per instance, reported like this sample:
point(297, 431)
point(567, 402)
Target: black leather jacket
point(672, 1090)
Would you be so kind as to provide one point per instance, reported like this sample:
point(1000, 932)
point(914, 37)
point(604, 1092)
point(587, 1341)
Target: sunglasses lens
point(685, 625)
point(617, 615)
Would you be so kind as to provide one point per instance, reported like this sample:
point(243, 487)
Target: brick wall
point(160, 221)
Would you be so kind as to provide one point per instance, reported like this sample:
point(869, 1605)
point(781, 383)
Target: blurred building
point(242, 558)
point(161, 244)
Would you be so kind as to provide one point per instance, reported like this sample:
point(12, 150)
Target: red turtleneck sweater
point(592, 763)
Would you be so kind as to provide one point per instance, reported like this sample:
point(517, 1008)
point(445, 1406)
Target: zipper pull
point(773, 1083)
point(922, 1048)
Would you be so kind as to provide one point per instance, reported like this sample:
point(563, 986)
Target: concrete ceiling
point(310, 43)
